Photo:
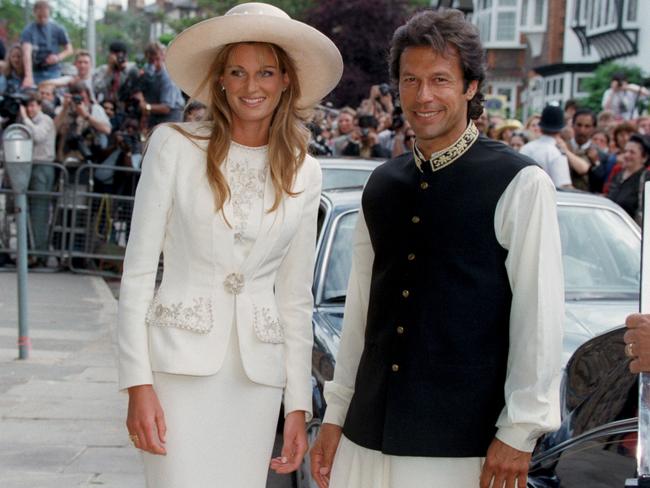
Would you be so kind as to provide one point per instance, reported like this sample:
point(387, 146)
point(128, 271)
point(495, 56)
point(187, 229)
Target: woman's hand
point(294, 444)
point(145, 420)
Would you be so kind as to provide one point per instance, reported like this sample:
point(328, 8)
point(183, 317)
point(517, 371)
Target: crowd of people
point(605, 153)
point(104, 116)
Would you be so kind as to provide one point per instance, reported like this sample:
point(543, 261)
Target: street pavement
point(61, 416)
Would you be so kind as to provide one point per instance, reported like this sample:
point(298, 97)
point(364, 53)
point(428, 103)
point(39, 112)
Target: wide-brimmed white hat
point(317, 59)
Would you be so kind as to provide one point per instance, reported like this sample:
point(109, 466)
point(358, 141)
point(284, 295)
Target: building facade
point(541, 51)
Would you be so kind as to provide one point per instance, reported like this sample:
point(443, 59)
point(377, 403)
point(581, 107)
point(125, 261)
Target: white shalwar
point(221, 428)
point(525, 227)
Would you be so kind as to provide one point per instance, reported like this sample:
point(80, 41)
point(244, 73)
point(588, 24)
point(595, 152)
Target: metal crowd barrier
point(86, 219)
point(47, 223)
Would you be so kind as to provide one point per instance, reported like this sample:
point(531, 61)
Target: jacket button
point(395, 368)
point(405, 293)
point(415, 219)
point(400, 329)
point(424, 185)
point(411, 257)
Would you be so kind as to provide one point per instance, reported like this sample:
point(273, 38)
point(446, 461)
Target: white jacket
point(185, 327)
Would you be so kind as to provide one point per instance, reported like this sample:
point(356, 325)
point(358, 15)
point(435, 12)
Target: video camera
point(366, 123)
point(10, 105)
point(39, 59)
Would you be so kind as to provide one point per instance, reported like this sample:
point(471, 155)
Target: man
point(545, 151)
point(581, 146)
point(49, 101)
point(42, 177)
point(82, 125)
point(622, 97)
point(160, 100)
point(41, 42)
point(455, 300)
point(84, 64)
point(643, 123)
point(117, 78)
point(364, 140)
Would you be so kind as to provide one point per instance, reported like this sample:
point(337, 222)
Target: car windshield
point(601, 254)
point(340, 260)
point(344, 178)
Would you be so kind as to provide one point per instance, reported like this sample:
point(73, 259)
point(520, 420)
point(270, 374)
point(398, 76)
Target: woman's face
point(15, 58)
point(533, 127)
point(253, 84)
point(621, 138)
point(600, 141)
point(517, 142)
point(633, 157)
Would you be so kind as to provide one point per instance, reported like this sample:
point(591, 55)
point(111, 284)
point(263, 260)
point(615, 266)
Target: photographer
point(125, 150)
point(364, 141)
point(160, 100)
point(84, 66)
point(82, 125)
point(41, 44)
point(622, 97)
point(42, 178)
point(115, 80)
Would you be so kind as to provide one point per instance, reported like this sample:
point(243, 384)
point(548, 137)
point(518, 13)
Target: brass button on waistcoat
point(424, 185)
point(415, 219)
point(400, 329)
point(395, 368)
point(405, 293)
point(411, 257)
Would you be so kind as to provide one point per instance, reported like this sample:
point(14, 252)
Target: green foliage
point(13, 13)
point(601, 81)
point(129, 27)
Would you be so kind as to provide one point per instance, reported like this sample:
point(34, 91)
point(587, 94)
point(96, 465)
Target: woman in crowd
point(532, 127)
point(13, 70)
point(232, 202)
point(626, 184)
point(622, 133)
point(517, 140)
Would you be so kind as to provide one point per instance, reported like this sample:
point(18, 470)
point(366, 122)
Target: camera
point(384, 89)
point(121, 59)
point(10, 105)
point(398, 118)
point(39, 59)
point(77, 99)
point(78, 142)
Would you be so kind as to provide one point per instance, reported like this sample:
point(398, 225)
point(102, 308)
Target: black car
point(601, 250)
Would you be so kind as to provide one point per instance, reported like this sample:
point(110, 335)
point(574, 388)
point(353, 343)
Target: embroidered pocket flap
point(195, 316)
point(267, 326)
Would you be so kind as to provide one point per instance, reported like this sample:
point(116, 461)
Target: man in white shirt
point(622, 97)
point(545, 151)
point(449, 363)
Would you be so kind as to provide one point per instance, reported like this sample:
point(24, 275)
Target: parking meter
point(18, 146)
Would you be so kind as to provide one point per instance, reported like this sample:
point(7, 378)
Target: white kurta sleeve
point(153, 202)
point(526, 225)
point(295, 300)
point(339, 391)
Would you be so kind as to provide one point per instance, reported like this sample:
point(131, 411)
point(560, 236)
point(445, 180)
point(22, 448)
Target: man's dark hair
point(571, 103)
point(585, 111)
point(440, 30)
point(79, 87)
point(619, 76)
point(118, 47)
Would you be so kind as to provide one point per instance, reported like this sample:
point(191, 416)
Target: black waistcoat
point(431, 376)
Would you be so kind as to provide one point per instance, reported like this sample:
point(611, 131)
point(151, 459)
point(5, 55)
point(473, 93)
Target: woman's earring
point(223, 88)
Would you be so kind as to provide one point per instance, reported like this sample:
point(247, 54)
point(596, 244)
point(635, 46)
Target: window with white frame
point(601, 15)
point(508, 90)
point(579, 85)
point(497, 22)
point(631, 10)
point(533, 15)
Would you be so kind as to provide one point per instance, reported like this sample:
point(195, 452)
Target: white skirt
point(358, 467)
point(220, 428)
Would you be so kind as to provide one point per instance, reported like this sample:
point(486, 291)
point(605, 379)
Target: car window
point(601, 253)
point(344, 178)
point(340, 258)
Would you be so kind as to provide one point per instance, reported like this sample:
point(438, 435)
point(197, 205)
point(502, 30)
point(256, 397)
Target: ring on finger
point(628, 350)
point(133, 438)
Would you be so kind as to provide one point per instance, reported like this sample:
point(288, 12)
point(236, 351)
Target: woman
point(232, 202)
point(518, 140)
point(626, 184)
point(532, 127)
point(13, 69)
point(620, 137)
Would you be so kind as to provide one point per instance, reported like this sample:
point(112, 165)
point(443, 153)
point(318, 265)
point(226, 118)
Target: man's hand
point(52, 59)
point(294, 444)
point(637, 342)
point(505, 466)
point(146, 420)
point(322, 453)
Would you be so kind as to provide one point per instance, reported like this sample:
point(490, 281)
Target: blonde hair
point(8, 69)
point(288, 135)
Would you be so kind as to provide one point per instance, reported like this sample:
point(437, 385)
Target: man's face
point(583, 128)
point(345, 123)
point(33, 109)
point(82, 64)
point(46, 93)
point(156, 60)
point(42, 15)
point(432, 95)
point(644, 125)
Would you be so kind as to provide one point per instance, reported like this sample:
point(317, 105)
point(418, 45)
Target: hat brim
point(318, 61)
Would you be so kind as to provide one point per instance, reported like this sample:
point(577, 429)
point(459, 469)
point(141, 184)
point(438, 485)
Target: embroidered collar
point(440, 159)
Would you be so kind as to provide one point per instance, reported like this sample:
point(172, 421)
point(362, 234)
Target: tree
point(130, 27)
point(362, 30)
point(601, 80)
